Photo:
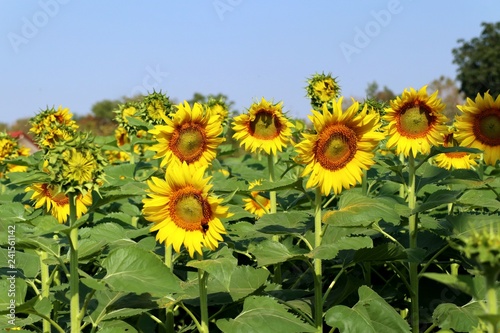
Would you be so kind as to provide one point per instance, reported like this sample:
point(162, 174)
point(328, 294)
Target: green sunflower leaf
point(371, 314)
point(132, 269)
point(459, 318)
point(245, 280)
point(264, 315)
point(270, 252)
point(357, 210)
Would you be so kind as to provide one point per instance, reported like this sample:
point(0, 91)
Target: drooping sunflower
point(183, 211)
point(263, 127)
point(415, 122)
point(479, 126)
point(258, 204)
point(456, 160)
point(341, 148)
point(190, 136)
point(56, 202)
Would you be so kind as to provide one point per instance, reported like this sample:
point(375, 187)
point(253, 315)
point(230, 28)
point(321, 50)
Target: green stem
point(413, 231)
point(318, 274)
point(202, 283)
point(402, 188)
point(74, 280)
point(169, 311)
point(491, 299)
point(45, 284)
point(272, 197)
point(364, 183)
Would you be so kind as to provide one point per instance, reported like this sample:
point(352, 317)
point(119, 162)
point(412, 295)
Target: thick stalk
point(169, 320)
point(364, 183)
point(413, 231)
point(491, 298)
point(318, 274)
point(45, 284)
point(272, 198)
point(202, 283)
point(74, 280)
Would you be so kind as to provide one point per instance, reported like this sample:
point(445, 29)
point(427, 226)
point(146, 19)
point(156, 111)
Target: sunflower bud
point(51, 126)
point(322, 89)
point(76, 165)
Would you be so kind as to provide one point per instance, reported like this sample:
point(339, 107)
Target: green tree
point(104, 109)
point(374, 93)
point(200, 98)
point(477, 60)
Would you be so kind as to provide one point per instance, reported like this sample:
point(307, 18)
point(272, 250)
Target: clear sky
point(75, 53)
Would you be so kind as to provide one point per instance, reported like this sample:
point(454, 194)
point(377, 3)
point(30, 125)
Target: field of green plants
point(367, 217)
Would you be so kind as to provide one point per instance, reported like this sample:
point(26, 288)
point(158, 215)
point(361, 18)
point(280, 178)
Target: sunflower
point(264, 127)
point(415, 122)
point(258, 204)
point(322, 88)
point(155, 107)
point(191, 136)
point(80, 166)
point(183, 211)
point(57, 202)
point(479, 126)
point(456, 160)
point(342, 146)
point(218, 107)
point(51, 126)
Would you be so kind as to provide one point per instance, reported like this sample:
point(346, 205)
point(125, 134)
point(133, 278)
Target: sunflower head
point(76, 165)
point(183, 210)
point(257, 204)
point(57, 202)
point(125, 115)
point(155, 107)
point(218, 107)
point(51, 126)
point(415, 122)
point(479, 126)
point(322, 89)
point(341, 147)
point(10, 149)
point(456, 160)
point(263, 127)
point(190, 135)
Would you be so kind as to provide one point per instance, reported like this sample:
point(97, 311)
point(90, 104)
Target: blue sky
point(75, 53)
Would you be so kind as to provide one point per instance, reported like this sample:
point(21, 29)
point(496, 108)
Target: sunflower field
point(366, 218)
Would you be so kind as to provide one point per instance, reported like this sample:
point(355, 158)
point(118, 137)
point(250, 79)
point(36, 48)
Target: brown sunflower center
point(189, 210)
point(415, 121)
point(59, 198)
point(265, 126)
point(189, 142)
point(487, 127)
point(336, 146)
